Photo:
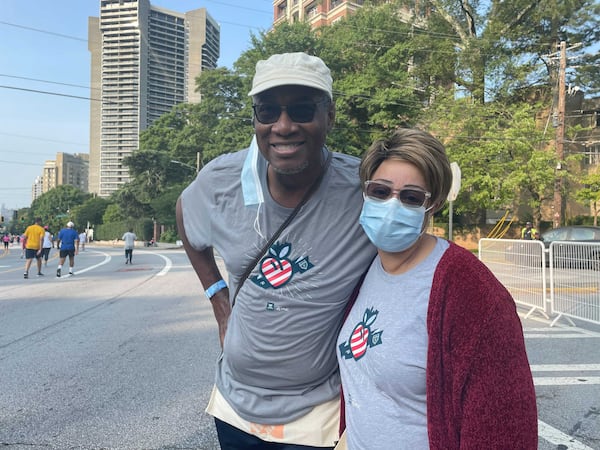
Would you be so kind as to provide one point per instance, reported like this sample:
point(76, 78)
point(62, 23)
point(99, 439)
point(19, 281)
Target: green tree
point(589, 194)
point(501, 46)
point(370, 65)
point(164, 205)
point(56, 206)
point(113, 213)
point(394, 69)
point(502, 153)
point(132, 201)
point(90, 211)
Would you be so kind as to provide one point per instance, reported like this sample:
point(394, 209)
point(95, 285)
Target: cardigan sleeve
point(480, 391)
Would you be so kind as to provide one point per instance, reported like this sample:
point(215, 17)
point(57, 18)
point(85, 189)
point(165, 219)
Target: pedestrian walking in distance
point(129, 238)
point(82, 240)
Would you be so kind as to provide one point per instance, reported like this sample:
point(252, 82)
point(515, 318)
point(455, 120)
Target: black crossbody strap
point(287, 221)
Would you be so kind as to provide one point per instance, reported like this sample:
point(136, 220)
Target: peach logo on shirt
point(277, 269)
point(362, 337)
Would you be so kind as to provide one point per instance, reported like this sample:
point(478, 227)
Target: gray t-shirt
point(279, 352)
point(382, 352)
point(129, 239)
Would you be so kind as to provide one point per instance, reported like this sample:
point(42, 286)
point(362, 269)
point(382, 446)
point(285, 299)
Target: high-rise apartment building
point(320, 13)
point(67, 168)
point(144, 61)
point(316, 12)
point(37, 188)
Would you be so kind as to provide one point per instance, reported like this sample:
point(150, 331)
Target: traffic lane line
point(558, 438)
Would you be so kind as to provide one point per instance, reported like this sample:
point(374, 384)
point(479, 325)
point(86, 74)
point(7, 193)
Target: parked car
point(570, 256)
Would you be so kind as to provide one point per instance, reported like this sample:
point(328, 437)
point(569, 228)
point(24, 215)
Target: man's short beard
point(291, 171)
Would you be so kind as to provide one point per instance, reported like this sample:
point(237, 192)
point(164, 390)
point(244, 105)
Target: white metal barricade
point(575, 281)
point(520, 265)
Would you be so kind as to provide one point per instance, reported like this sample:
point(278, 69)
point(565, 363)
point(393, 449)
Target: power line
point(19, 163)
point(46, 81)
point(37, 91)
point(40, 139)
point(238, 7)
point(38, 30)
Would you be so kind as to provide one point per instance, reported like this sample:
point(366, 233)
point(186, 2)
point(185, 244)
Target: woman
point(47, 245)
point(432, 354)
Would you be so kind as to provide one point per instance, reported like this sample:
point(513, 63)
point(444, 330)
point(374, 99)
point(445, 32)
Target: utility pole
point(560, 137)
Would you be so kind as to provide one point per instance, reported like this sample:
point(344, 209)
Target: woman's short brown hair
point(419, 148)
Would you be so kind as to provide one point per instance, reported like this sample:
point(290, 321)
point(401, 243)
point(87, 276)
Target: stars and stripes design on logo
point(277, 269)
point(362, 337)
point(359, 341)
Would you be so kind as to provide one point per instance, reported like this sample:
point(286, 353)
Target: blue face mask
point(391, 226)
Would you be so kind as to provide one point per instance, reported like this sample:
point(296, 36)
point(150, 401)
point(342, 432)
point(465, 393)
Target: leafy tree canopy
point(479, 75)
point(56, 206)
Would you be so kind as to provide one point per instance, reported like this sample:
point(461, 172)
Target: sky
point(43, 47)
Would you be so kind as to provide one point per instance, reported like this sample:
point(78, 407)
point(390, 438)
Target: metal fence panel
point(575, 280)
point(520, 265)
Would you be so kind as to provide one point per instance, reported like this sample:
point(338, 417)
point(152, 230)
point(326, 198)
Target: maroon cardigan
point(480, 392)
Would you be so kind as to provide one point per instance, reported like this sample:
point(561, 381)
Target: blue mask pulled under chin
point(251, 175)
point(391, 226)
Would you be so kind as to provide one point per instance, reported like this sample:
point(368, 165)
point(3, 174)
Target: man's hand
point(222, 310)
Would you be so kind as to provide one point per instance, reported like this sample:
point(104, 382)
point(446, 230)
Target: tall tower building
point(144, 61)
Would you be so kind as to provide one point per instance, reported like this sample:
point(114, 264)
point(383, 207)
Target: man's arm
point(205, 266)
point(41, 249)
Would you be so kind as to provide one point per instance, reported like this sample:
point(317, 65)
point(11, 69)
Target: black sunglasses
point(409, 197)
point(267, 113)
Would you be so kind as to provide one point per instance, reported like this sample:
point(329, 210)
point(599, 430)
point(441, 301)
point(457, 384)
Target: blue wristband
point(215, 288)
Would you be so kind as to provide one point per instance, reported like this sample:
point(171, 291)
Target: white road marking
point(563, 367)
point(580, 379)
point(107, 259)
point(168, 265)
point(559, 336)
point(565, 381)
point(557, 437)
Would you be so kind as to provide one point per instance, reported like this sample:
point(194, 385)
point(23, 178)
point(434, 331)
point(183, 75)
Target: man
point(277, 383)
point(129, 237)
point(68, 243)
point(33, 238)
point(528, 232)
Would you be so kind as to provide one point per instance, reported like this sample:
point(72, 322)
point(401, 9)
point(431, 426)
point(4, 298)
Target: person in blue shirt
point(68, 243)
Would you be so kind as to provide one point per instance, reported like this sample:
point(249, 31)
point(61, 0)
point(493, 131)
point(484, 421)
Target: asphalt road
point(115, 357)
point(122, 357)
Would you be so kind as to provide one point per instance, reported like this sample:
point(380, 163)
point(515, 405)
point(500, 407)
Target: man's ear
point(331, 116)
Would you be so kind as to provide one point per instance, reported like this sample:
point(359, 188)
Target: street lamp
point(195, 169)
